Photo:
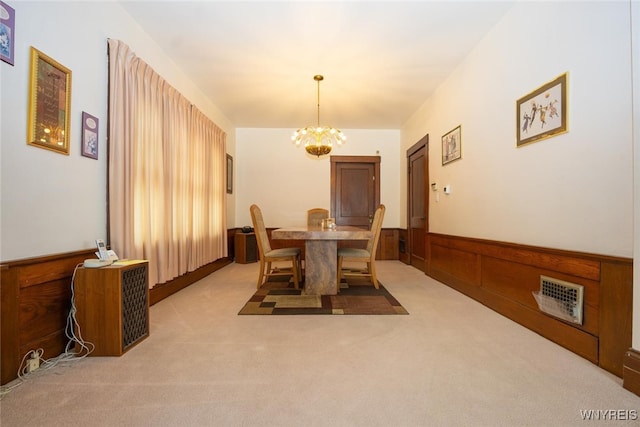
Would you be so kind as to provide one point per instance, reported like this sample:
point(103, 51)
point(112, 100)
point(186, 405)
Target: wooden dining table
point(321, 253)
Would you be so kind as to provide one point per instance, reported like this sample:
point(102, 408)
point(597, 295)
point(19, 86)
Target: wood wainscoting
point(164, 290)
point(35, 295)
point(503, 276)
point(631, 371)
point(35, 302)
point(403, 240)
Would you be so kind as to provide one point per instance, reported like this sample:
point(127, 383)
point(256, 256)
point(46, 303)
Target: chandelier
point(318, 140)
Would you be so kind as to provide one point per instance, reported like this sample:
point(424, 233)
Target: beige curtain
point(167, 197)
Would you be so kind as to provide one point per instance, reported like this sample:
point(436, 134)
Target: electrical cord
point(75, 340)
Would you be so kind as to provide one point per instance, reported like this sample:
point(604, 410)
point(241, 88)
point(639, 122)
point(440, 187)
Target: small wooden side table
point(246, 248)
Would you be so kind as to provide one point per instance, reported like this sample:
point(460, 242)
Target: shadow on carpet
point(357, 296)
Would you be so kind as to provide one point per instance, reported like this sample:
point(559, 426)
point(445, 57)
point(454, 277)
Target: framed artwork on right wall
point(452, 145)
point(542, 113)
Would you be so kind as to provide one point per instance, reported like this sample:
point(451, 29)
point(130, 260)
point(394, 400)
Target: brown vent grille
point(560, 299)
point(135, 319)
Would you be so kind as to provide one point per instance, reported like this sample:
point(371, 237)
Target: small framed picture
point(229, 174)
point(542, 113)
point(7, 32)
point(452, 146)
point(89, 135)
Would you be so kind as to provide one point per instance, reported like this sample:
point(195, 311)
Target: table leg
point(321, 267)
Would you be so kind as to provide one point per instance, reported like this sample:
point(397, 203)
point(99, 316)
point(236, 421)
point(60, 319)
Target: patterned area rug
point(357, 296)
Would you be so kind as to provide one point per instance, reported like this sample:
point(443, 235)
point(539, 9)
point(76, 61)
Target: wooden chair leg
point(339, 272)
point(267, 271)
point(374, 278)
point(261, 273)
point(296, 274)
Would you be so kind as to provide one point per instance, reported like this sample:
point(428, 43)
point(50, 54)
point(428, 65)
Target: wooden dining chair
point(268, 255)
point(316, 215)
point(368, 255)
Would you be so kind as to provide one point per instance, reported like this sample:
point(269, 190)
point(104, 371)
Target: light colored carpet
point(450, 362)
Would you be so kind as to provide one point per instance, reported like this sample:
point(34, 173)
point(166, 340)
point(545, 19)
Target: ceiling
point(256, 60)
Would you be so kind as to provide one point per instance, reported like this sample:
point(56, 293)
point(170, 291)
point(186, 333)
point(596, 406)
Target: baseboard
point(164, 290)
point(504, 276)
point(631, 371)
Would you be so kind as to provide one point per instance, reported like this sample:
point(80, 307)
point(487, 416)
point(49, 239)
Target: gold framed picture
point(49, 103)
point(542, 113)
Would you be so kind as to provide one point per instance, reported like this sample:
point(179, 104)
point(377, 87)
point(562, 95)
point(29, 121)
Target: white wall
point(573, 191)
point(52, 203)
point(284, 181)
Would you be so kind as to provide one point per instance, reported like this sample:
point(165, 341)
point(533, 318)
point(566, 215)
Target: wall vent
point(560, 299)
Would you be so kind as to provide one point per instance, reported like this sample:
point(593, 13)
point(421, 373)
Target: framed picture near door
point(452, 146)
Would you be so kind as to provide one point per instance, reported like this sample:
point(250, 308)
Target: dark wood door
point(418, 202)
point(355, 189)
